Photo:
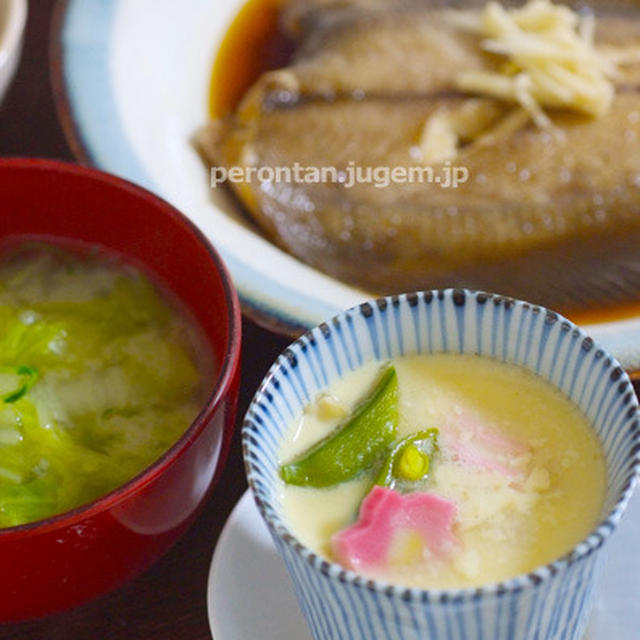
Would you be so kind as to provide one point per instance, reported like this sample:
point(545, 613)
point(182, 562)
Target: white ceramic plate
point(250, 594)
point(132, 81)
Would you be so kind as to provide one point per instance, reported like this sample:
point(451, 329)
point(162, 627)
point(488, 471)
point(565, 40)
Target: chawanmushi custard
point(442, 471)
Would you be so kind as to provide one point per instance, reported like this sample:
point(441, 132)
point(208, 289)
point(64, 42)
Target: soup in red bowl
point(68, 557)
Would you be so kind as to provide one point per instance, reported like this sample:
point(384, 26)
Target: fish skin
point(550, 219)
point(299, 18)
point(360, 55)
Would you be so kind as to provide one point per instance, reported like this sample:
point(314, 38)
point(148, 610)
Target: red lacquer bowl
point(56, 563)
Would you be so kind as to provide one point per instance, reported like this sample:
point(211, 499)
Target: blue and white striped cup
point(550, 603)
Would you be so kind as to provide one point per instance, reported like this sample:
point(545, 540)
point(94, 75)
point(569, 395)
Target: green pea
point(413, 463)
point(409, 461)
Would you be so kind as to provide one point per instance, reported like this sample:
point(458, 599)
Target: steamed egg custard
point(98, 377)
point(442, 471)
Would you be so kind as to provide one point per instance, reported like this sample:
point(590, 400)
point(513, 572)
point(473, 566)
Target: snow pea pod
point(355, 445)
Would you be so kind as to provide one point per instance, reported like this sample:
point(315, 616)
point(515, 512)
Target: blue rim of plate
point(87, 111)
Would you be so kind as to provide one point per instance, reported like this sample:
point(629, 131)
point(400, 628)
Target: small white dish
point(250, 595)
point(13, 18)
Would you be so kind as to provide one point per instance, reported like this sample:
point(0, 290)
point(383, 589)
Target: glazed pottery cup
point(550, 603)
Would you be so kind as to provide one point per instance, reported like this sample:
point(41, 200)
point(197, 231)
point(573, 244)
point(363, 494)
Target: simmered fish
point(548, 215)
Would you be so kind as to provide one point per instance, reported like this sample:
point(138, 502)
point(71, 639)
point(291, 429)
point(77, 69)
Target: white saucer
point(250, 595)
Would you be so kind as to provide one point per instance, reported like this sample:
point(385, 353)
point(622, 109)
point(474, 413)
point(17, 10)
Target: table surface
point(168, 602)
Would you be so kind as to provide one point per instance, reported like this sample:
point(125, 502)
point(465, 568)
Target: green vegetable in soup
point(16, 381)
point(355, 445)
point(97, 379)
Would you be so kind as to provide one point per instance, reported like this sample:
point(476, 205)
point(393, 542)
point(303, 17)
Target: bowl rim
point(594, 539)
point(229, 362)
point(11, 33)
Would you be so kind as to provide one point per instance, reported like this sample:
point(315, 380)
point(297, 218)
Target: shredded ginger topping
point(551, 60)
